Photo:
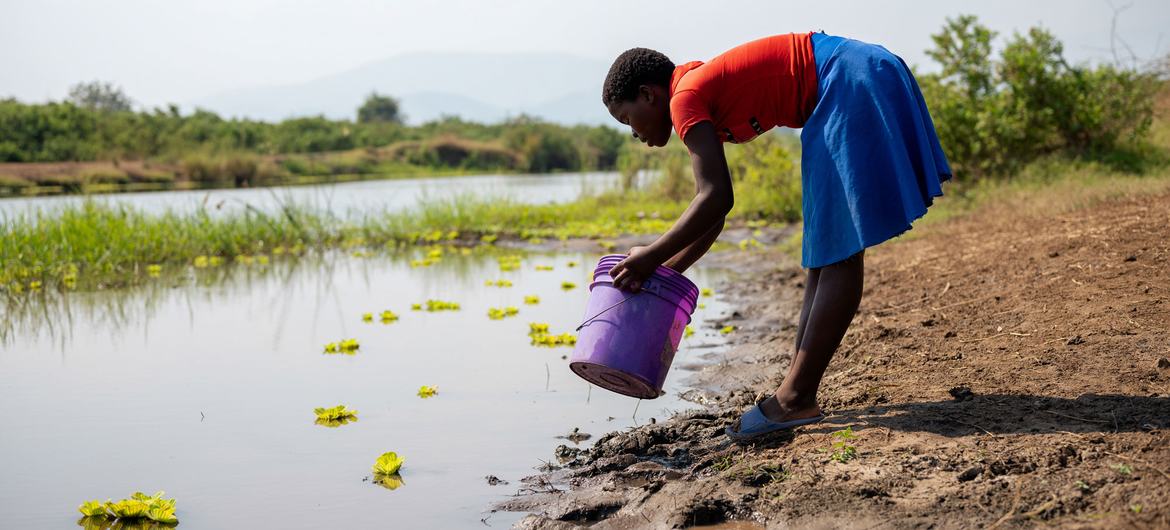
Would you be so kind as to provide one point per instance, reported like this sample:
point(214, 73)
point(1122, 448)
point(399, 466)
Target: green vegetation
point(96, 140)
point(140, 507)
point(842, 450)
point(996, 115)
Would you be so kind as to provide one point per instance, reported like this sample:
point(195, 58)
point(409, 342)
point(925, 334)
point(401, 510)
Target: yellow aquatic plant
point(571, 264)
point(688, 331)
point(727, 329)
point(702, 305)
point(367, 317)
point(568, 285)
point(349, 346)
point(531, 299)
point(334, 413)
point(427, 391)
point(508, 263)
point(416, 307)
point(92, 508)
point(138, 506)
point(439, 305)
point(544, 267)
point(537, 327)
point(498, 313)
point(498, 283)
point(706, 291)
point(154, 269)
point(200, 262)
point(69, 278)
point(388, 316)
point(34, 285)
point(550, 340)
point(388, 464)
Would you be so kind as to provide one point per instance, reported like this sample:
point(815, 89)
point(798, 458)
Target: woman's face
point(648, 115)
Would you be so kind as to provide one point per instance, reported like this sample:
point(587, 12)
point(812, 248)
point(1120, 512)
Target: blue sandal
point(753, 425)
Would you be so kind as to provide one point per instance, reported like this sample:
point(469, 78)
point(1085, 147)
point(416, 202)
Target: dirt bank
point(1005, 370)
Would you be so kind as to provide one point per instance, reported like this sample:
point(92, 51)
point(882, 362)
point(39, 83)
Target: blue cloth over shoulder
point(871, 162)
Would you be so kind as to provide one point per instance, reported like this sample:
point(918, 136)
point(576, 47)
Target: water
point(203, 383)
point(349, 199)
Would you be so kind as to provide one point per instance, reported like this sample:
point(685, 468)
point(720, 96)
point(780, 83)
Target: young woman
point(870, 165)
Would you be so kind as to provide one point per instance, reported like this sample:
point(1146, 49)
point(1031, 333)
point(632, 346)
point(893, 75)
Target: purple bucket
point(628, 339)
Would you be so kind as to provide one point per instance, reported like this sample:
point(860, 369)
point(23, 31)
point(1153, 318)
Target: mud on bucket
point(628, 340)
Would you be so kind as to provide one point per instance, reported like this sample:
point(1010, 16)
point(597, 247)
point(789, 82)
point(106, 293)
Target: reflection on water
point(204, 384)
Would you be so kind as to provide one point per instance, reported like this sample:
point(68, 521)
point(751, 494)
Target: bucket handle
point(602, 312)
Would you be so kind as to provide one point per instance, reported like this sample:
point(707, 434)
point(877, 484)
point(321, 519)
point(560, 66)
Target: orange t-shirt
point(748, 89)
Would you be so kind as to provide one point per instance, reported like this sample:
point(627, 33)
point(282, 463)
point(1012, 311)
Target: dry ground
point(1007, 368)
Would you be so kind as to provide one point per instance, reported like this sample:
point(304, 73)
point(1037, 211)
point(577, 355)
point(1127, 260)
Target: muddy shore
point(1005, 370)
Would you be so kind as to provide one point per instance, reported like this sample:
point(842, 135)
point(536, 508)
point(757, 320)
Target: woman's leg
point(831, 299)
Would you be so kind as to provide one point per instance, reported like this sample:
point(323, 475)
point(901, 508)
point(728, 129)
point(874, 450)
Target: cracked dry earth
point(1005, 370)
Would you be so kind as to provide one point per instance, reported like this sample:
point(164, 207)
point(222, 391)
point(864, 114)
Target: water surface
point(202, 383)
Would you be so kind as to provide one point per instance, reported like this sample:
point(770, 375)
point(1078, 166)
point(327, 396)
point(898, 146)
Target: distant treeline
point(72, 131)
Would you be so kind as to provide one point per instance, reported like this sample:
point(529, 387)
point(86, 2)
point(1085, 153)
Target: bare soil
point(1005, 370)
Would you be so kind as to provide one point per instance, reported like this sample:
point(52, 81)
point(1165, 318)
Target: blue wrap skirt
point(871, 162)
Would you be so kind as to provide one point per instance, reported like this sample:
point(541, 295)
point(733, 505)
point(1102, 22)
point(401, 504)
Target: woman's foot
point(777, 411)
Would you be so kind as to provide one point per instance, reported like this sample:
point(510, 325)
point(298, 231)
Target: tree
point(98, 95)
point(379, 108)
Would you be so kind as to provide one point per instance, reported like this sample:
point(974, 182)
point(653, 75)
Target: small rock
point(565, 453)
point(950, 335)
point(1075, 341)
point(1162, 363)
point(1131, 258)
point(970, 474)
point(576, 436)
point(1053, 254)
point(493, 480)
point(961, 393)
point(927, 323)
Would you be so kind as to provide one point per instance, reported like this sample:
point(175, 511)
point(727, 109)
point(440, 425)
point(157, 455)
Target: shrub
point(994, 115)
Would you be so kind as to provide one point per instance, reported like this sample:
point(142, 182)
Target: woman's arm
point(683, 260)
point(707, 210)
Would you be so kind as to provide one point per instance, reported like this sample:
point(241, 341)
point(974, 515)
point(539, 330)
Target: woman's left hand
point(630, 273)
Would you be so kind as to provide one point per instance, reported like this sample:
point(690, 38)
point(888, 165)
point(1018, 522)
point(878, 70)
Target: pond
point(203, 383)
point(348, 199)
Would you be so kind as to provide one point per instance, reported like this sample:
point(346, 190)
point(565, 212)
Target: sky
point(182, 50)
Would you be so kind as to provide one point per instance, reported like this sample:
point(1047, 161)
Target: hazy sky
point(179, 50)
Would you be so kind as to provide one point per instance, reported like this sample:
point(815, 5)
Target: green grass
point(94, 244)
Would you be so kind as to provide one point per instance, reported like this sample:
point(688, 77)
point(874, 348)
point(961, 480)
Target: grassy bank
point(93, 244)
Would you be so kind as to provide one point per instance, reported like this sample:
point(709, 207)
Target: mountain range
point(484, 87)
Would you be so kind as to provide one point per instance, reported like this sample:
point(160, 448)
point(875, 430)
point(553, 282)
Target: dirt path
point(1005, 370)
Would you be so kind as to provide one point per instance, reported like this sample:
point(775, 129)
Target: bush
point(994, 115)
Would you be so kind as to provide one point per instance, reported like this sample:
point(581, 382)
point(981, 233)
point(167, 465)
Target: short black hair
point(633, 68)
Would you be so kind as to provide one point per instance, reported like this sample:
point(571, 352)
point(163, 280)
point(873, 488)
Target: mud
point(1005, 370)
